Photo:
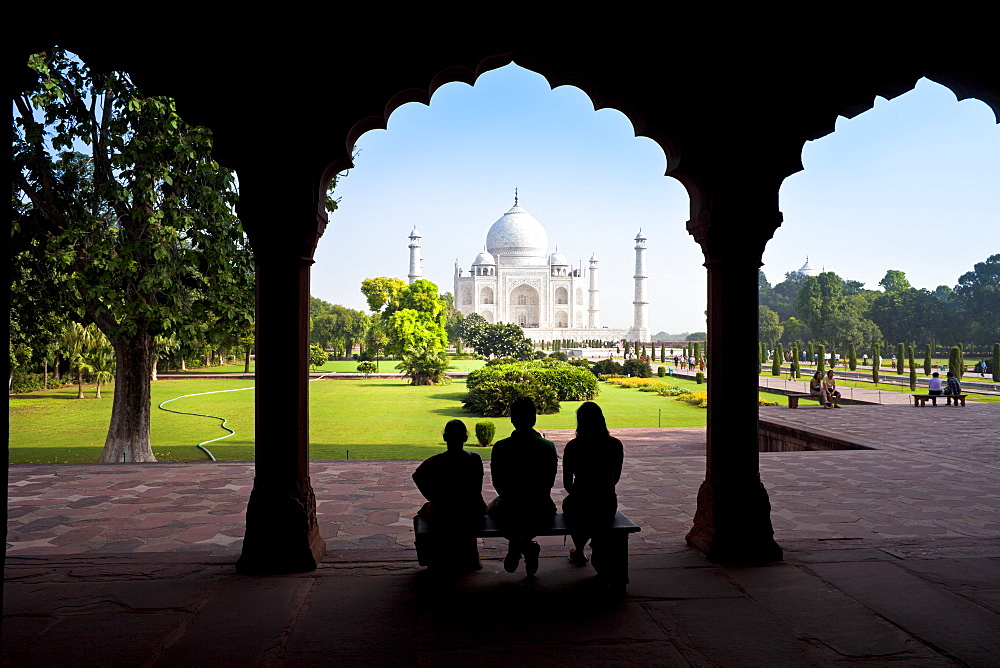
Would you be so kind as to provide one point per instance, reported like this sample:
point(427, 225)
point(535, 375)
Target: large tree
point(412, 316)
point(126, 196)
point(979, 292)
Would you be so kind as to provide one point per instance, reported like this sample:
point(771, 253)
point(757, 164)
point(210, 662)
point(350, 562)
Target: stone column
point(416, 262)
point(281, 531)
point(640, 323)
point(594, 308)
point(733, 520)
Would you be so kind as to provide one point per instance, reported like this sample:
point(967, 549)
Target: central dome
point(518, 239)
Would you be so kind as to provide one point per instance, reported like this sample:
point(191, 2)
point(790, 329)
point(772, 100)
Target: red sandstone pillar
point(281, 531)
point(733, 519)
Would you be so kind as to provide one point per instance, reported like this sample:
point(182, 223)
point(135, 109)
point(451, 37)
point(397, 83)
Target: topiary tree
point(794, 367)
point(367, 368)
point(876, 363)
point(485, 431)
point(955, 363)
point(699, 378)
point(900, 351)
point(661, 371)
point(852, 357)
point(995, 365)
point(637, 368)
point(913, 369)
point(927, 359)
point(776, 361)
point(821, 358)
point(810, 352)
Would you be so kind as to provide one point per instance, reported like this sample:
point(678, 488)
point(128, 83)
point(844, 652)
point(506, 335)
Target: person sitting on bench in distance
point(452, 483)
point(934, 386)
point(524, 470)
point(953, 388)
point(817, 391)
point(592, 466)
point(830, 386)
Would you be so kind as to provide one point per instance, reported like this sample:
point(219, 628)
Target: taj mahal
point(515, 279)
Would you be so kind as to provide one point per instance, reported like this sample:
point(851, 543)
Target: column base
point(282, 535)
point(733, 524)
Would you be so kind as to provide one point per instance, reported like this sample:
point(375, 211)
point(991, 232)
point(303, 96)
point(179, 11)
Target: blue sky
point(913, 184)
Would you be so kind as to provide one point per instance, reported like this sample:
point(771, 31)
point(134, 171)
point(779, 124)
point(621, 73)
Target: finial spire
point(515, 196)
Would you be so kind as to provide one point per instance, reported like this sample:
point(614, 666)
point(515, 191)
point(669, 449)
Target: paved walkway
point(891, 555)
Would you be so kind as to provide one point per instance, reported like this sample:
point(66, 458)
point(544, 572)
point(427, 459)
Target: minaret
point(416, 262)
point(640, 326)
point(594, 309)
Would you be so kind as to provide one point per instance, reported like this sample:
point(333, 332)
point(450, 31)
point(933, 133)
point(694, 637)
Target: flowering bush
point(699, 399)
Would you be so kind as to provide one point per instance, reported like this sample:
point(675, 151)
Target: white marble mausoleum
point(515, 279)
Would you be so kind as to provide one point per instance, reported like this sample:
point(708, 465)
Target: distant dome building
point(806, 270)
point(515, 279)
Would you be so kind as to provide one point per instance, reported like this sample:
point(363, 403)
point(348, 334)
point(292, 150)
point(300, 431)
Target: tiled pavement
point(933, 472)
point(891, 556)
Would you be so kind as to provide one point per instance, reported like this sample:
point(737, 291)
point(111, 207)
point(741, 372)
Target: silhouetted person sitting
point(452, 483)
point(524, 470)
point(592, 466)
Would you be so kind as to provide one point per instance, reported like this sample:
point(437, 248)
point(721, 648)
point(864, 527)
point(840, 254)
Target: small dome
point(640, 236)
point(806, 270)
point(414, 234)
point(484, 258)
point(593, 258)
point(558, 258)
point(517, 239)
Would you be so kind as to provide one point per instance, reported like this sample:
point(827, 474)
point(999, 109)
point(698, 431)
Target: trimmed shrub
point(913, 370)
point(777, 357)
point(995, 366)
point(661, 371)
point(900, 352)
point(637, 367)
point(493, 388)
point(672, 391)
point(606, 367)
point(539, 355)
point(558, 355)
point(852, 358)
point(581, 362)
point(927, 360)
point(955, 363)
point(876, 363)
point(821, 358)
point(699, 378)
point(485, 431)
point(367, 368)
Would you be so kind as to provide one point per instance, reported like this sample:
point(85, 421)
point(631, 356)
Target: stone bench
point(922, 399)
point(793, 399)
point(614, 541)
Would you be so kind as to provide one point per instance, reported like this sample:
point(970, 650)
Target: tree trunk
point(55, 370)
point(152, 376)
point(128, 434)
point(184, 364)
point(98, 395)
point(79, 383)
point(45, 377)
point(246, 366)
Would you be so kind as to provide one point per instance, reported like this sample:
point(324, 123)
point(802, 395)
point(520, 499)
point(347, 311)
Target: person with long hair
point(592, 466)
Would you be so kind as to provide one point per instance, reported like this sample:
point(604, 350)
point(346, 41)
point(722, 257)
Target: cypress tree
point(821, 358)
point(955, 361)
point(663, 352)
point(760, 363)
point(776, 363)
point(995, 366)
point(927, 360)
point(795, 360)
point(875, 363)
point(697, 352)
point(900, 351)
point(852, 357)
point(627, 348)
point(643, 351)
point(913, 370)
point(809, 353)
point(960, 372)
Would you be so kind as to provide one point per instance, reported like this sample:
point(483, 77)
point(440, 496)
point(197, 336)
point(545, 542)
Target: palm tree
point(76, 341)
point(425, 367)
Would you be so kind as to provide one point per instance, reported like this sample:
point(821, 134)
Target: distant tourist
point(830, 386)
point(953, 388)
point(934, 387)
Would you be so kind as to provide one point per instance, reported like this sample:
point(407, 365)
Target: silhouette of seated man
point(452, 483)
point(524, 470)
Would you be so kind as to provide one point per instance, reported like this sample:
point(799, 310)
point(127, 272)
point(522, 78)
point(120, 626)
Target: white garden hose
point(201, 446)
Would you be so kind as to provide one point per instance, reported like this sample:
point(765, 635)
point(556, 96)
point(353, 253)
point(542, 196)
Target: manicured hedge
point(493, 388)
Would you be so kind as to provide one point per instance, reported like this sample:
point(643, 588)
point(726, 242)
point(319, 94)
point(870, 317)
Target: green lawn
point(375, 418)
point(335, 366)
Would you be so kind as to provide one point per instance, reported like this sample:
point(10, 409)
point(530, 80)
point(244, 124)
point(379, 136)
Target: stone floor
point(891, 557)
